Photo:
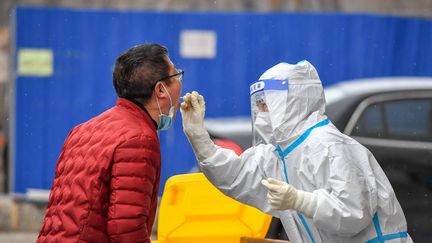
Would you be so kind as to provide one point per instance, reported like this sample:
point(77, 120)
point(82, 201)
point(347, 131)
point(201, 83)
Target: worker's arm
point(239, 177)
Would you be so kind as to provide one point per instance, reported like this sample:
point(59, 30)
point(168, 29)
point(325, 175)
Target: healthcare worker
point(322, 184)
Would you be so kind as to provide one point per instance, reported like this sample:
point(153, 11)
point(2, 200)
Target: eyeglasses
point(179, 73)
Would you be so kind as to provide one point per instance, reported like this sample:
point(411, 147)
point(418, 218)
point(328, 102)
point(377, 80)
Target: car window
point(409, 119)
point(370, 123)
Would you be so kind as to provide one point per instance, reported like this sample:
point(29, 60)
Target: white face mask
point(263, 129)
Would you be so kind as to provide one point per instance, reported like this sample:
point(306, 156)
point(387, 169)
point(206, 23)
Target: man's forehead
point(170, 63)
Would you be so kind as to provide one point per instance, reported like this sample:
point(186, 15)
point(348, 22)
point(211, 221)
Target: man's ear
point(159, 90)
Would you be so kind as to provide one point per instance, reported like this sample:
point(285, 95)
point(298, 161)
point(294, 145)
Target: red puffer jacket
point(106, 181)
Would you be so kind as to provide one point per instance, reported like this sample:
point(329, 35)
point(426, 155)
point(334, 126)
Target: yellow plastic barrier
point(193, 210)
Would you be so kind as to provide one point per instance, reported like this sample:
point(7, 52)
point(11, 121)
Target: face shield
point(268, 105)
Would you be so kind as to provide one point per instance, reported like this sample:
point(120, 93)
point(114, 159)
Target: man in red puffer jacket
point(107, 176)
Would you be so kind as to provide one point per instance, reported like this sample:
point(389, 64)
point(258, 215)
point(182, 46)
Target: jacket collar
point(136, 107)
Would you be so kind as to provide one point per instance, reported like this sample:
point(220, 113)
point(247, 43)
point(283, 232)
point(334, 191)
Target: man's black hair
point(137, 70)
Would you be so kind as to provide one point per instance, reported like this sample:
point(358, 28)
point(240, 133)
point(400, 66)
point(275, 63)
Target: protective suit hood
point(293, 99)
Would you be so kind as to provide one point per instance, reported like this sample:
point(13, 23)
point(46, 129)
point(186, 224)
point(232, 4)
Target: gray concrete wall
point(20, 215)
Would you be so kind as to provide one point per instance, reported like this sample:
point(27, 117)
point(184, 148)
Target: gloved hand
point(193, 109)
point(283, 196)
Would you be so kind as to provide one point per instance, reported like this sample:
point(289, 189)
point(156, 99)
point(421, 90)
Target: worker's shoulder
point(330, 135)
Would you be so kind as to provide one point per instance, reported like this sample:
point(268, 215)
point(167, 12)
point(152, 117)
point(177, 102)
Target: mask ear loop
point(157, 100)
point(169, 96)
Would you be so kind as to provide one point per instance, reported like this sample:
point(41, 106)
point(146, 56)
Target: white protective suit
point(296, 143)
